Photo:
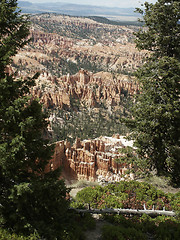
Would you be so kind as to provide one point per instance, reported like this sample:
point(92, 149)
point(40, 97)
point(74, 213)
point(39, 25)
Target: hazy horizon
point(105, 3)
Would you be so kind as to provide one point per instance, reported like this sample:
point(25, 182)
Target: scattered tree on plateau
point(156, 113)
point(30, 199)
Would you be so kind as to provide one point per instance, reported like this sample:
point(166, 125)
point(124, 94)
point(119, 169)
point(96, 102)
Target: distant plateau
point(116, 14)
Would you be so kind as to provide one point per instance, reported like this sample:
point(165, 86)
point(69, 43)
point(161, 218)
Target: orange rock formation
point(90, 159)
point(88, 88)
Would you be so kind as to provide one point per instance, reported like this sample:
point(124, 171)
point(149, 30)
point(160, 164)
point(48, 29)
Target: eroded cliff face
point(87, 88)
point(91, 159)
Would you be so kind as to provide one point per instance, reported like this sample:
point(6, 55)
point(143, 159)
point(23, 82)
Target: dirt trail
point(95, 234)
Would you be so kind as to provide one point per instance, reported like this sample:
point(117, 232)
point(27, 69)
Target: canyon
point(86, 81)
point(63, 44)
point(92, 160)
point(79, 58)
point(85, 87)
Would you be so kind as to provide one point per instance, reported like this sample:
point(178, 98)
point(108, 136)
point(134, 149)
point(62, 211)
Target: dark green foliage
point(157, 116)
point(61, 66)
point(14, 28)
point(91, 123)
point(144, 227)
point(83, 123)
point(5, 235)
point(122, 233)
point(129, 156)
point(30, 199)
point(36, 205)
point(156, 113)
point(77, 225)
point(161, 35)
point(118, 23)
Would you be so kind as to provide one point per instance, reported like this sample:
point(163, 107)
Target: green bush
point(128, 194)
point(5, 235)
point(122, 233)
point(111, 233)
point(133, 194)
point(161, 228)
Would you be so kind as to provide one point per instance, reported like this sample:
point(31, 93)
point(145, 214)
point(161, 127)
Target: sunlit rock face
point(92, 160)
point(88, 88)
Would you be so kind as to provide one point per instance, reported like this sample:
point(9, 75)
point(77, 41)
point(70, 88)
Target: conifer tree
point(160, 32)
point(156, 112)
point(30, 198)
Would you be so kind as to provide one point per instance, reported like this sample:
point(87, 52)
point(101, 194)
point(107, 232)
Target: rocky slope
point(63, 44)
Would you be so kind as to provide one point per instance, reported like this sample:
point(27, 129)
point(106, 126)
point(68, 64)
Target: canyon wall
point(91, 159)
point(85, 87)
point(63, 44)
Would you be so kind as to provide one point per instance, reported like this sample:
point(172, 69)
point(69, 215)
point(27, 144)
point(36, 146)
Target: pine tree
point(30, 198)
point(14, 30)
point(156, 112)
point(160, 32)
